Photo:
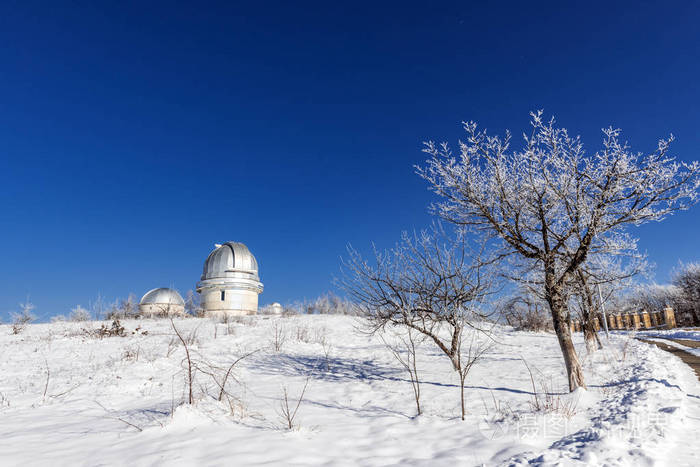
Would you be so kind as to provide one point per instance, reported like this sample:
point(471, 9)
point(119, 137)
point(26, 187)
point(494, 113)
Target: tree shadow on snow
point(331, 369)
point(636, 380)
point(366, 410)
point(338, 369)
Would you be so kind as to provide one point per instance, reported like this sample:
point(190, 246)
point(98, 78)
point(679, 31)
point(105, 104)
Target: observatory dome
point(162, 302)
point(230, 282)
point(232, 259)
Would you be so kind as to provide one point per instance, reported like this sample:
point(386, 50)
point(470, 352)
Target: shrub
point(24, 317)
point(116, 330)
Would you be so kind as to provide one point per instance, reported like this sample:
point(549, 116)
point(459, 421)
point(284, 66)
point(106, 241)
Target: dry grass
point(546, 400)
point(288, 408)
point(279, 336)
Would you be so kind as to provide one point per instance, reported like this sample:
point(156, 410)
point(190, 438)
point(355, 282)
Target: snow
point(665, 335)
point(118, 400)
point(692, 334)
point(670, 343)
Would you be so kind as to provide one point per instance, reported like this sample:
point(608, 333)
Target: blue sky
point(134, 137)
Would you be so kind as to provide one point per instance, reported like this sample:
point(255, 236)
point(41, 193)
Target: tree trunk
point(561, 326)
point(597, 338)
point(590, 335)
point(589, 338)
point(461, 391)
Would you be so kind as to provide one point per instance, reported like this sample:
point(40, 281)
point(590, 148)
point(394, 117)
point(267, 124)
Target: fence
point(635, 320)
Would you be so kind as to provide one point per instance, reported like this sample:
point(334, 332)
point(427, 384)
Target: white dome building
point(273, 309)
point(230, 283)
point(162, 302)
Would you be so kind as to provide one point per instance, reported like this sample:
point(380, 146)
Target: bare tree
point(430, 282)
point(405, 351)
point(468, 357)
point(547, 203)
point(599, 280)
point(525, 311)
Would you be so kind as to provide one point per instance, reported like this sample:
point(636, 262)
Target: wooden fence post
point(669, 317)
point(620, 325)
point(611, 321)
point(636, 321)
point(646, 320)
point(659, 318)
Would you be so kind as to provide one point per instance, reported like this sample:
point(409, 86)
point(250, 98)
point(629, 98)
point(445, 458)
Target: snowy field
point(69, 398)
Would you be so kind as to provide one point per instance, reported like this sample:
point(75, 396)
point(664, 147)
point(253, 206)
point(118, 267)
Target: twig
point(119, 418)
point(189, 361)
point(48, 375)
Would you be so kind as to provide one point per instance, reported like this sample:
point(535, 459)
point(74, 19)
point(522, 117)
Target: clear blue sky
point(134, 135)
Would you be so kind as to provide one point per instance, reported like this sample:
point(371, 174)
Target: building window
point(223, 295)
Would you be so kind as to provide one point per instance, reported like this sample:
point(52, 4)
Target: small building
point(272, 309)
point(230, 283)
point(162, 302)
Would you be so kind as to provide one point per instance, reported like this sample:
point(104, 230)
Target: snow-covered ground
point(67, 398)
point(665, 336)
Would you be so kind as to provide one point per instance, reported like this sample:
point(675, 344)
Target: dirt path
point(693, 361)
point(687, 342)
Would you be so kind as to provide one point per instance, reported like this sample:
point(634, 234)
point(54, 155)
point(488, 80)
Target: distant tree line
point(682, 294)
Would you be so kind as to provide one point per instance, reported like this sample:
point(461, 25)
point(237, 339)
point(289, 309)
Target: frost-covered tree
point(24, 317)
point(193, 306)
point(329, 304)
point(655, 297)
point(431, 283)
point(548, 202)
point(125, 308)
point(600, 280)
point(98, 307)
point(687, 280)
point(79, 314)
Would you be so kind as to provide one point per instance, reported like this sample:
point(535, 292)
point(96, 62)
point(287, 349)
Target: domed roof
point(228, 259)
point(162, 296)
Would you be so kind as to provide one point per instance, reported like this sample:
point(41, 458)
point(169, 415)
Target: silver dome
point(230, 260)
point(162, 296)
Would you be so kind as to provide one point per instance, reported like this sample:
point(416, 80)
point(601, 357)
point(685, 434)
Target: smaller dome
point(162, 296)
